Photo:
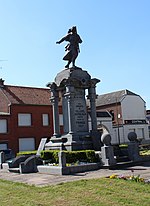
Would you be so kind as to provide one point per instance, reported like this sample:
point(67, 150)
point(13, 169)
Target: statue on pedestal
point(69, 90)
point(72, 48)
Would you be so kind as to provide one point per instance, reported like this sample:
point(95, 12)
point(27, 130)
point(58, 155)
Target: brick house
point(25, 117)
point(128, 112)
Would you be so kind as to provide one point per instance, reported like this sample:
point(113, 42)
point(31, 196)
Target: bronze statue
point(72, 48)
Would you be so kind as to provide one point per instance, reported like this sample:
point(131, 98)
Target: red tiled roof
point(27, 95)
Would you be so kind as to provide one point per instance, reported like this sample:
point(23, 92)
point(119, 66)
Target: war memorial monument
point(69, 90)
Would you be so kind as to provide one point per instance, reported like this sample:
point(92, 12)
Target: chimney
point(1, 83)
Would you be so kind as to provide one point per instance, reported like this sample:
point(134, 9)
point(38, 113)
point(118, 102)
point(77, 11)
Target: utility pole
point(118, 117)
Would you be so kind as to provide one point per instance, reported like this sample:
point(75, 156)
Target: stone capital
point(93, 82)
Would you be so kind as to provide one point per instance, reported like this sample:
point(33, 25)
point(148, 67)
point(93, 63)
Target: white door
point(26, 144)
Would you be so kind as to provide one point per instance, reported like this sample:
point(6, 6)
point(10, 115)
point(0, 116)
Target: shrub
point(27, 153)
point(123, 146)
point(71, 156)
point(51, 155)
point(74, 156)
point(145, 152)
point(90, 154)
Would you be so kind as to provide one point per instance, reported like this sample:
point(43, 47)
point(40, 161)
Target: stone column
point(54, 101)
point(92, 97)
point(70, 107)
point(95, 134)
point(65, 113)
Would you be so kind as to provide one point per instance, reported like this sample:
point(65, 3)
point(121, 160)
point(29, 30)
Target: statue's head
point(74, 29)
point(69, 31)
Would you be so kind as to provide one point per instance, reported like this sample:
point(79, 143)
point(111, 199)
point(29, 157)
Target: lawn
point(103, 192)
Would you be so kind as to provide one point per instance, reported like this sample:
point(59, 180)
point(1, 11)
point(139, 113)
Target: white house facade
point(129, 114)
point(133, 118)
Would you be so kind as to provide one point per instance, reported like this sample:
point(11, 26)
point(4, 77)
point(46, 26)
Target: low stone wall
point(57, 170)
point(145, 158)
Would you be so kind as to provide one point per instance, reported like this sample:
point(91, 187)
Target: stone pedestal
point(2, 159)
point(133, 151)
point(133, 147)
point(107, 152)
point(69, 88)
point(62, 159)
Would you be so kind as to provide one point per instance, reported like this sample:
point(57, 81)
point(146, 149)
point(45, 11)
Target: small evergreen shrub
point(27, 153)
point(51, 155)
point(71, 156)
point(90, 154)
point(123, 146)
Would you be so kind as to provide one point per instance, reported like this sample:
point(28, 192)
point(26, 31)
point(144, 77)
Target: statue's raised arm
point(72, 48)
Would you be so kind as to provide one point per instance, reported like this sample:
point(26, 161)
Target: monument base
point(70, 142)
point(69, 90)
point(96, 139)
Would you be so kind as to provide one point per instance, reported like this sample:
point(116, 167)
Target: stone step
point(15, 170)
point(5, 166)
point(121, 165)
point(122, 159)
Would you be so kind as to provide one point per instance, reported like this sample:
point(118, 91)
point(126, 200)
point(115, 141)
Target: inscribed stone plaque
point(80, 111)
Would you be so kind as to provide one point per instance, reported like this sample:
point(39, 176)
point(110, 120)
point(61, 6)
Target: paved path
point(39, 179)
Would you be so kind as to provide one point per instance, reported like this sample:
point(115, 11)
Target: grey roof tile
point(113, 97)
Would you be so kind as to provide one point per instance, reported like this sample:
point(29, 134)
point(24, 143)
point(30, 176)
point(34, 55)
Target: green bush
point(51, 155)
point(71, 156)
point(123, 146)
point(27, 153)
point(74, 156)
point(145, 152)
point(90, 154)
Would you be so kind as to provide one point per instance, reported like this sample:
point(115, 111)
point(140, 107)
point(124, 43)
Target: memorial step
point(126, 164)
point(122, 159)
point(15, 170)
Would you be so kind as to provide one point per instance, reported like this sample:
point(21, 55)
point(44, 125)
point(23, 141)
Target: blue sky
point(115, 48)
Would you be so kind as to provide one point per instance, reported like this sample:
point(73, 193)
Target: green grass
point(103, 192)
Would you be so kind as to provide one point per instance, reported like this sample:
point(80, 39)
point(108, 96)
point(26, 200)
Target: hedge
point(71, 156)
point(51, 155)
point(27, 153)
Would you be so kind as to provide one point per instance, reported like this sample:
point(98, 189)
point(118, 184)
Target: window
point(3, 126)
point(26, 144)
point(24, 119)
point(3, 146)
point(112, 114)
point(45, 119)
point(61, 120)
point(131, 130)
point(140, 133)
